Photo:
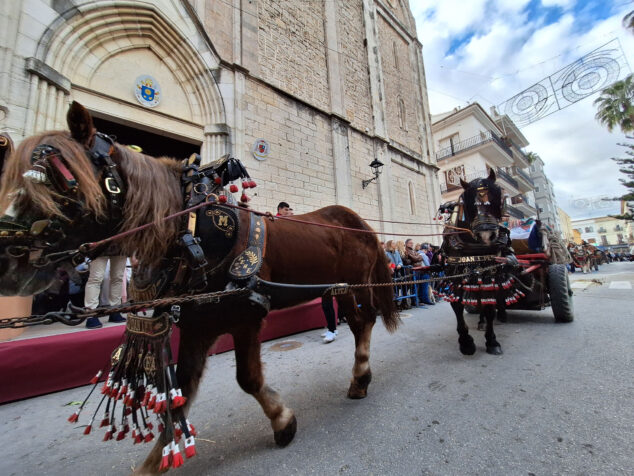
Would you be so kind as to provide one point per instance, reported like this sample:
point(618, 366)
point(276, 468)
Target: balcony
point(513, 211)
point(521, 156)
point(500, 154)
point(526, 183)
point(524, 204)
point(507, 178)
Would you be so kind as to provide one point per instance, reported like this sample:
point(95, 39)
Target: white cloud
point(506, 53)
point(558, 3)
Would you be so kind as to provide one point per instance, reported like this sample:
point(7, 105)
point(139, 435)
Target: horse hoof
point(359, 387)
point(467, 346)
point(495, 350)
point(481, 326)
point(285, 436)
point(468, 349)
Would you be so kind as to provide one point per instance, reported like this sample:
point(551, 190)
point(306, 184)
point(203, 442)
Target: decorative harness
point(464, 254)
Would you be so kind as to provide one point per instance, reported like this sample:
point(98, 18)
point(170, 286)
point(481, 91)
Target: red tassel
point(161, 427)
point(218, 180)
point(233, 188)
point(190, 447)
point(96, 378)
point(165, 461)
point(150, 425)
point(177, 457)
point(120, 435)
point(252, 184)
point(245, 184)
point(222, 198)
point(191, 428)
point(105, 421)
point(87, 430)
point(74, 417)
point(108, 435)
point(149, 437)
point(244, 198)
point(177, 398)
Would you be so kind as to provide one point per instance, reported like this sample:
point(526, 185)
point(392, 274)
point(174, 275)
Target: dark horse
point(81, 202)
point(488, 285)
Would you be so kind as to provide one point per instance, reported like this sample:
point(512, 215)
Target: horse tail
point(384, 295)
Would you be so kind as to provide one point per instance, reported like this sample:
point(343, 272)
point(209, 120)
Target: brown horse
point(45, 217)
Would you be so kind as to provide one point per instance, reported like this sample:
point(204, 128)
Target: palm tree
point(616, 105)
point(532, 156)
point(628, 21)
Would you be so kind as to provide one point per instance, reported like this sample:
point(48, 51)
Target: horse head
point(483, 207)
point(62, 189)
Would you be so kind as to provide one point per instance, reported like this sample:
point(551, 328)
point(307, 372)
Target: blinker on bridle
point(49, 168)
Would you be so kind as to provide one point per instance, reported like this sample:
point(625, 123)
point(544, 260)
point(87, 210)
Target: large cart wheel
point(560, 293)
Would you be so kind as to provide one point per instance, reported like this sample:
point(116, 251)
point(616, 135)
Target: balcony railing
point(471, 143)
point(524, 175)
point(505, 176)
point(521, 153)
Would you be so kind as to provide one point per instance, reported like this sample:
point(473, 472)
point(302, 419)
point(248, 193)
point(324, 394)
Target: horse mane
point(41, 197)
point(153, 191)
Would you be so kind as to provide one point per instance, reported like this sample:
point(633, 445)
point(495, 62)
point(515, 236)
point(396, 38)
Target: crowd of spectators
point(405, 257)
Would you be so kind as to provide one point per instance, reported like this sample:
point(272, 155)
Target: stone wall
point(399, 88)
point(357, 102)
point(292, 49)
point(299, 168)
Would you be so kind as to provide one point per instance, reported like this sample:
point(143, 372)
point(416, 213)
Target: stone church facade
point(328, 86)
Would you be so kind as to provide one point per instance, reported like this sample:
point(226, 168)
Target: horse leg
point(493, 346)
point(361, 322)
point(467, 346)
point(251, 380)
point(501, 308)
point(481, 322)
point(192, 355)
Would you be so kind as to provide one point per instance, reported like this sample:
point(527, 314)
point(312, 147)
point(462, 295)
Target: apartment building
point(469, 143)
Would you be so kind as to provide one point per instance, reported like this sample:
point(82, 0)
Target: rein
point(86, 247)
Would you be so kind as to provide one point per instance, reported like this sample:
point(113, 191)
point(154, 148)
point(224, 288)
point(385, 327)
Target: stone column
point(384, 185)
point(376, 71)
point(339, 125)
point(46, 97)
point(214, 145)
point(341, 154)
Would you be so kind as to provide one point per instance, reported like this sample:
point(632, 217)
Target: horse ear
point(80, 123)
point(492, 175)
point(464, 184)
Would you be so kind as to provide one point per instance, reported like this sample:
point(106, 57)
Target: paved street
point(559, 401)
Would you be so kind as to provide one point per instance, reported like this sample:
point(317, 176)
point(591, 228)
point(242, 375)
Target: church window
point(402, 122)
point(395, 52)
point(412, 198)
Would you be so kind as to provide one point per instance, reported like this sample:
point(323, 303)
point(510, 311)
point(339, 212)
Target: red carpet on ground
point(32, 367)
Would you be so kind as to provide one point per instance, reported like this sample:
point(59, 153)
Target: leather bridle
point(33, 236)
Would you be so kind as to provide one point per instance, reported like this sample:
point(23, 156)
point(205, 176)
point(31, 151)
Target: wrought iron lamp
point(376, 165)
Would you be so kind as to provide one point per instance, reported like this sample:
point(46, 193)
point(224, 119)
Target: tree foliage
point(628, 21)
point(615, 105)
point(627, 167)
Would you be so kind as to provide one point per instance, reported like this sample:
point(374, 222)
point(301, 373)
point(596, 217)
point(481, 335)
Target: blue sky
point(490, 50)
